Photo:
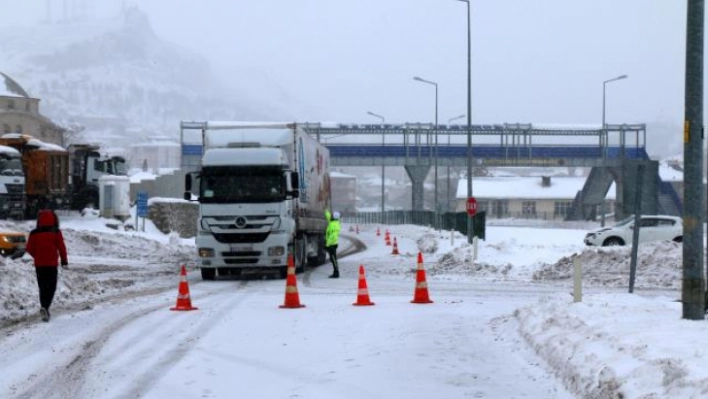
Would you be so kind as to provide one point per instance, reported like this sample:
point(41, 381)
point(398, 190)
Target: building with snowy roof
point(19, 113)
point(537, 197)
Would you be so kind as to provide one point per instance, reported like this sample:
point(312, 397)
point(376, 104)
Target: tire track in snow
point(69, 379)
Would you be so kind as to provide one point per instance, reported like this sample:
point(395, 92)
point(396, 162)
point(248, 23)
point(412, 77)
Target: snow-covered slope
point(116, 76)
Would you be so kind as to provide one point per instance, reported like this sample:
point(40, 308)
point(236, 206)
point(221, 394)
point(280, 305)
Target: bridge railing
point(446, 221)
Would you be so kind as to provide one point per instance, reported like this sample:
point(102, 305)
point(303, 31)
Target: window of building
point(500, 208)
point(18, 129)
point(561, 208)
point(10, 104)
point(27, 106)
point(528, 208)
point(6, 128)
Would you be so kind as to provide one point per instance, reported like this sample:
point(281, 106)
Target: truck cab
point(88, 165)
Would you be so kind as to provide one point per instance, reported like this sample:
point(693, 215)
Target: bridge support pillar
point(624, 175)
point(627, 188)
point(417, 174)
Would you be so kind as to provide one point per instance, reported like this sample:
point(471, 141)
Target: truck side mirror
point(188, 187)
point(295, 181)
point(188, 182)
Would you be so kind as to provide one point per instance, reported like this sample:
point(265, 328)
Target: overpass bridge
point(614, 154)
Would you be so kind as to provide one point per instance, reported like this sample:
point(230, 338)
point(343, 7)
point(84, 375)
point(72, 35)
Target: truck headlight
point(206, 252)
point(276, 251)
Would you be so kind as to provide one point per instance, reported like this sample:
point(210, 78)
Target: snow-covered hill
point(117, 78)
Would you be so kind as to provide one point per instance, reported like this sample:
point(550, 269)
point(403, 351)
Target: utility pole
point(470, 220)
point(693, 287)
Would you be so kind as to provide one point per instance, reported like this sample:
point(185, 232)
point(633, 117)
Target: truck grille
point(241, 261)
point(242, 253)
point(235, 238)
point(15, 193)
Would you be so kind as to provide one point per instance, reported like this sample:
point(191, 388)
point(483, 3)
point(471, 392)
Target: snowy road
point(241, 344)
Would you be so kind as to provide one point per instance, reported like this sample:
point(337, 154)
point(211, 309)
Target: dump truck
point(46, 170)
point(262, 189)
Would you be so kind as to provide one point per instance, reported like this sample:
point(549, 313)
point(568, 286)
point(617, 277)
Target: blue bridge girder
point(482, 155)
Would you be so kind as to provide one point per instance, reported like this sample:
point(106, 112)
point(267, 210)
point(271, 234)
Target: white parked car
point(652, 228)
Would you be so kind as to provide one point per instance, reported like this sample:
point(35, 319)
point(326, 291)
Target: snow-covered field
point(503, 326)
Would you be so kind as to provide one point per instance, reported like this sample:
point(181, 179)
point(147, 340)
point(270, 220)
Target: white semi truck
point(263, 189)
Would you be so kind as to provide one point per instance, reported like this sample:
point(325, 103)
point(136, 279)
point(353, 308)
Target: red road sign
point(471, 206)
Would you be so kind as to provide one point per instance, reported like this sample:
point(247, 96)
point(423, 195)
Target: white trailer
point(263, 189)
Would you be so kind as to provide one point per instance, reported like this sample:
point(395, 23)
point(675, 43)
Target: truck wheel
point(321, 254)
point(208, 274)
point(300, 255)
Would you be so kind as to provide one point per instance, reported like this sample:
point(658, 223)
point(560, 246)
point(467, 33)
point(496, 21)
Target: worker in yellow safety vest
point(332, 240)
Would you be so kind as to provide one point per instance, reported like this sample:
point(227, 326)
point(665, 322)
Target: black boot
point(335, 274)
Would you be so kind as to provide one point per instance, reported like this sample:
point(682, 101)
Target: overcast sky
point(541, 61)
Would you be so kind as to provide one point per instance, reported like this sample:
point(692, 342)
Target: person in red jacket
point(46, 245)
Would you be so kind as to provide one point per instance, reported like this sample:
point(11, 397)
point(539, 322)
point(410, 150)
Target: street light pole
point(383, 168)
point(470, 223)
point(436, 141)
point(604, 145)
point(449, 197)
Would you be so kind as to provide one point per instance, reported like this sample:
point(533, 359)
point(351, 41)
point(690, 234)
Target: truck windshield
point(10, 167)
point(120, 168)
point(219, 185)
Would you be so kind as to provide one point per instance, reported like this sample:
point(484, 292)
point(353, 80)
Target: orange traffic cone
point(387, 238)
point(421, 286)
point(292, 299)
point(362, 295)
point(378, 232)
point(183, 300)
point(395, 247)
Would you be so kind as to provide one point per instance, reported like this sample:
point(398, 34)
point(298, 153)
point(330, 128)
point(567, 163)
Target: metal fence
point(446, 221)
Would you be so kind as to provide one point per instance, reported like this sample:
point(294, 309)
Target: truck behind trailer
point(46, 169)
point(263, 189)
